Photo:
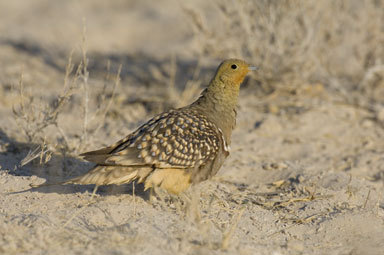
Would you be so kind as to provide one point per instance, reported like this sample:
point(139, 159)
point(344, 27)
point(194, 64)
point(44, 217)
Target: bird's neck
point(219, 102)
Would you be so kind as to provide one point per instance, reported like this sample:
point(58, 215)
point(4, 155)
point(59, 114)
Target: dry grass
point(34, 116)
point(336, 43)
point(302, 48)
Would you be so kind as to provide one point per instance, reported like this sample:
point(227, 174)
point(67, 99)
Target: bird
point(179, 147)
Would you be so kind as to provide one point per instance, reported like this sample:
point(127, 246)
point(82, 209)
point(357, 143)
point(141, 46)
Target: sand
point(305, 174)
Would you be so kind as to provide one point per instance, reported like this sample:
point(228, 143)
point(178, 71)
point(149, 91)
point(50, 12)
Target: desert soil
point(305, 174)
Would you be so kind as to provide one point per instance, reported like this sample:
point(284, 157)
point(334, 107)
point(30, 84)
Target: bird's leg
point(152, 195)
point(192, 206)
point(94, 191)
point(133, 190)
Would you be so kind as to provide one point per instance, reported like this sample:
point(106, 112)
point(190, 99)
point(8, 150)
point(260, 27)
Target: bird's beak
point(253, 68)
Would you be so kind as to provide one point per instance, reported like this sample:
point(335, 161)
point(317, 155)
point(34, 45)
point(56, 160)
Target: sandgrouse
point(179, 147)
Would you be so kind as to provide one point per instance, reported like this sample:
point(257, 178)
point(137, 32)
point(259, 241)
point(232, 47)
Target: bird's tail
point(105, 175)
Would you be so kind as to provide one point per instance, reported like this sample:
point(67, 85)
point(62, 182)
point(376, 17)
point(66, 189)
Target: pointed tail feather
point(106, 175)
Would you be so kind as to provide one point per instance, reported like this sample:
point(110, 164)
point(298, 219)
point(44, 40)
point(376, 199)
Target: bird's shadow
point(58, 169)
point(61, 167)
point(138, 68)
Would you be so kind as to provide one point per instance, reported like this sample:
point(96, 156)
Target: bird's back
point(178, 147)
point(179, 144)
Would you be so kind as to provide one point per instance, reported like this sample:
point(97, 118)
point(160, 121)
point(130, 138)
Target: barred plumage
point(175, 139)
point(178, 147)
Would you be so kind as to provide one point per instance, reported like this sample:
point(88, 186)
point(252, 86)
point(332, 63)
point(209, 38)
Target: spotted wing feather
point(175, 139)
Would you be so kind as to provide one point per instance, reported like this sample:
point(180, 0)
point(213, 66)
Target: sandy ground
point(305, 175)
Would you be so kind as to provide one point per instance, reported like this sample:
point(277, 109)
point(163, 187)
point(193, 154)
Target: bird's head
point(233, 71)
point(223, 90)
point(219, 100)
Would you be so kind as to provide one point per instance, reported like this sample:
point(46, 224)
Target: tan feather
point(106, 175)
point(178, 147)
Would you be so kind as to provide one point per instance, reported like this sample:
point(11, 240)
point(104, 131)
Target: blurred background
point(78, 75)
point(168, 50)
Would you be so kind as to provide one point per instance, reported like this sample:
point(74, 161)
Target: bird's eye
point(234, 66)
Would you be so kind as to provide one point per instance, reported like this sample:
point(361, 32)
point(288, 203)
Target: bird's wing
point(175, 139)
point(101, 156)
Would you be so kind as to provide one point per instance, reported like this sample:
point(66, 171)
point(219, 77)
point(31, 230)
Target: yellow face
point(233, 70)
